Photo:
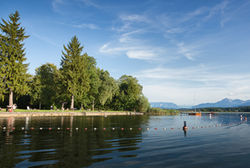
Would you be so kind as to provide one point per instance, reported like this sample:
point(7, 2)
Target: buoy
point(164, 129)
point(76, 129)
point(85, 129)
point(58, 128)
point(130, 129)
point(4, 128)
point(104, 129)
point(113, 129)
point(155, 128)
point(148, 129)
point(95, 129)
point(41, 128)
point(50, 128)
point(22, 128)
point(122, 129)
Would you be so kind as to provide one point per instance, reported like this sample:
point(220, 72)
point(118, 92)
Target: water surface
point(125, 141)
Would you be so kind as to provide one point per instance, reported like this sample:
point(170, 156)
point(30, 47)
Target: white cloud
point(180, 85)
point(45, 39)
point(142, 54)
point(56, 4)
point(91, 3)
point(188, 51)
point(86, 25)
point(134, 18)
point(112, 50)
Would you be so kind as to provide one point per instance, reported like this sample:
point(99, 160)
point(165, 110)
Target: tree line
point(77, 83)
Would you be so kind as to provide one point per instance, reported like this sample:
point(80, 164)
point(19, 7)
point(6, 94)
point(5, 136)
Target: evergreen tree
point(74, 71)
point(13, 70)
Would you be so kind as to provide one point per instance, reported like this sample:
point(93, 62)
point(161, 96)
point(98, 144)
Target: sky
point(181, 51)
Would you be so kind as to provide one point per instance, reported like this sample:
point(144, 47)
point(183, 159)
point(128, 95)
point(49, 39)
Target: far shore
point(54, 113)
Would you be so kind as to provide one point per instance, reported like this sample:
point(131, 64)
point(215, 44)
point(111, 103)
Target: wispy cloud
point(134, 18)
point(45, 39)
point(188, 51)
point(134, 52)
point(167, 25)
point(179, 85)
point(91, 3)
point(86, 25)
point(142, 54)
point(56, 5)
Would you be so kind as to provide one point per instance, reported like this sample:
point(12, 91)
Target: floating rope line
point(8, 128)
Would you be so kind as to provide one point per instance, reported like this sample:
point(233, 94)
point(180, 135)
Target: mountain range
point(222, 103)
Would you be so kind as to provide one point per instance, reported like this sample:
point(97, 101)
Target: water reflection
point(10, 129)
point(69, 147)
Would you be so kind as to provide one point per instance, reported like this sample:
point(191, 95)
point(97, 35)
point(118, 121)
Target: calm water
point(154, 141)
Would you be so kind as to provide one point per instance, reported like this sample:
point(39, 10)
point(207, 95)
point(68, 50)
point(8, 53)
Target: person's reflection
point(185, 132)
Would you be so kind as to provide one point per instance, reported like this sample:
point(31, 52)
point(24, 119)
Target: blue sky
point(186, 52)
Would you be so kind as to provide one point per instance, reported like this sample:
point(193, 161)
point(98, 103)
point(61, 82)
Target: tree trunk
point(81, 106)
point(11, 98)
point(40, 105)
point(72, 103)
point(93, 105)
point(63, 106)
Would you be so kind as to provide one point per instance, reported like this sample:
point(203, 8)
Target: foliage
point(129, 96)
point(108, 87)
point(44, 85)
point(13, 70)
point(78, 80)
point(74, 70)
point(162, 111)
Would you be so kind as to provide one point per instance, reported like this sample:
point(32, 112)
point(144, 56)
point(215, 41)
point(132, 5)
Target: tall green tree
point(74, 70)
point(91, 97)
point(129, 94)
point(107, 88)
point(13, 69)
point(142, 104)
point(44, 85)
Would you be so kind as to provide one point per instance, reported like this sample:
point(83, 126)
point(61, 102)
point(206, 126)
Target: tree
point(129, 94)
point(35, 91)
point(142, 104)
point(107, 88)
point(74, 71)
point(92, 95)
point(44, 85)
point(13, 70)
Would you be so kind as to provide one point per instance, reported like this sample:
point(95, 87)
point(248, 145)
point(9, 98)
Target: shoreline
point(70, 113)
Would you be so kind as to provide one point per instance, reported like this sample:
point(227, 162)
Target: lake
point(220, 140)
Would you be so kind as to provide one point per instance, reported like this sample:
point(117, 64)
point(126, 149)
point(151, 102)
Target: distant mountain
point(164, 105)
point(225, 103)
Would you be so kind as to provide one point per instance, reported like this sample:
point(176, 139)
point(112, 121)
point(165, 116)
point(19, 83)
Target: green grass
point(37, 110)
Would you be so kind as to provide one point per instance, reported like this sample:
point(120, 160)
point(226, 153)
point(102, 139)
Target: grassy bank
point(37, 110)
point(159, 111)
